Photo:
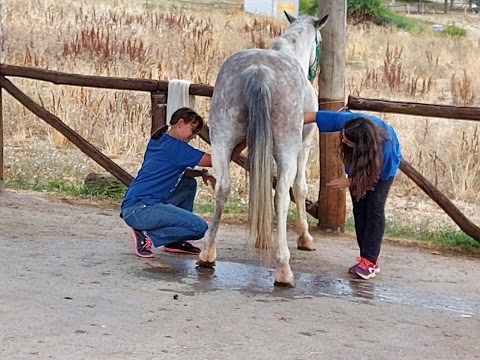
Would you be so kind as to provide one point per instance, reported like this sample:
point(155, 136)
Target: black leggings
point(369, 215)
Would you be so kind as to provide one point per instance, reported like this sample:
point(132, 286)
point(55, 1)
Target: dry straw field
point(138, 38)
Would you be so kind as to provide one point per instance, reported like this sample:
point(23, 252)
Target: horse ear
point(321, 23)
point(290, 18)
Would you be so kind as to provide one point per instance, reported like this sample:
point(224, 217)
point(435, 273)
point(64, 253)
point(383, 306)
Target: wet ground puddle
point(257, 279)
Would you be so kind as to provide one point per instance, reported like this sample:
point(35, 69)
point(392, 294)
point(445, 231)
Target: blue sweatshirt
point(164, 164)
point(331, 121)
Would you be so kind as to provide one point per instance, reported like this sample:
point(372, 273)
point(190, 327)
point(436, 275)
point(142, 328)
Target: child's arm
point(206, 160)
point(327, 120)
point(309, 117)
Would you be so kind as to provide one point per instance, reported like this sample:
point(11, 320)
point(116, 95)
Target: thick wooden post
point(1, 99)
point(332, 203)
point(159, 110)
point(1, 140)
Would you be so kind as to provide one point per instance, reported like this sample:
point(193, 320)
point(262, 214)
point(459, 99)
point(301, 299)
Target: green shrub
point(365, 10)
point(309, 7)
point(113, 190)
point(454, 31)
point(360, 11)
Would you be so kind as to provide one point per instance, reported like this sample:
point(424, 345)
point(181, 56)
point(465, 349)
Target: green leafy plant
point(113, 190)
point(360, 11)
point(309, 7)
point(365, 10)
point(454, 31)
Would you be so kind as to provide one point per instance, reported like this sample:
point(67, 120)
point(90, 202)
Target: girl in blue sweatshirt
point(158, 205)
point(370, 151)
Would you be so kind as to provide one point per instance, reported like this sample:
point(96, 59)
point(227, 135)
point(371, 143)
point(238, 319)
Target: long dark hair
point(365, 158)
point(188, 115)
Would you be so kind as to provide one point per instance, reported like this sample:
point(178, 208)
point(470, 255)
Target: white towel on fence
point(178, 96)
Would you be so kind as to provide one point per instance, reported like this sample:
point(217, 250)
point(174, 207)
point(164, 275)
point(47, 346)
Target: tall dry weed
point(462, 89)
point(393, 73)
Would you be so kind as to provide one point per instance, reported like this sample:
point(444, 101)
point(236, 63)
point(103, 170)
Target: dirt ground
point(71, 288)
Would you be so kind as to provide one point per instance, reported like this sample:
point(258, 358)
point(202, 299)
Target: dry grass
point(139, 39)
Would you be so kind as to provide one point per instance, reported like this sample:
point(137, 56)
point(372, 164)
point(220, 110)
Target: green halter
point(313, 69)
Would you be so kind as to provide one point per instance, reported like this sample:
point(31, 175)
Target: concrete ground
point(71, 288)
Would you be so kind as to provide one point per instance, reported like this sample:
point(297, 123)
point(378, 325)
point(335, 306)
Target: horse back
point(279, 72)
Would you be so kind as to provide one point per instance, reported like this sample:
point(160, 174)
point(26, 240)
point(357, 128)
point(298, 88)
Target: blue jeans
point(170, 222)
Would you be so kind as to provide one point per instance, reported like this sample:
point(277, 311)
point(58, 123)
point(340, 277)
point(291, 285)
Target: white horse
point(260, 95)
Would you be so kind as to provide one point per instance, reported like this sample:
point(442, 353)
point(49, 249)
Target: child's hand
point(339, 184)
point(209, 179)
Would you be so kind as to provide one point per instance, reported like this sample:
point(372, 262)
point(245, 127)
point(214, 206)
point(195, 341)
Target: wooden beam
point(412, 108)
point(331, 202)
point(1, 104)
point(466, 225)
point(104, 82)
point(159, 110)
point(87, 148)
point(2, 183)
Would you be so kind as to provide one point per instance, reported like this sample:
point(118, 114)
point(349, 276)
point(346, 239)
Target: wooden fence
point(158, 90)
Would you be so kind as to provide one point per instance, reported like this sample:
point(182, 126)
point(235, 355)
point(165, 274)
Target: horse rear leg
point(305, 240)
point(286, 172)
point(221, 166)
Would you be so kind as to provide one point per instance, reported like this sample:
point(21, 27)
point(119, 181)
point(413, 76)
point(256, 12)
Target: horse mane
point(289, 40)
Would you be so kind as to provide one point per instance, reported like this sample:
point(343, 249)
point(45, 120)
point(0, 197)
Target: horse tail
point(258, 81)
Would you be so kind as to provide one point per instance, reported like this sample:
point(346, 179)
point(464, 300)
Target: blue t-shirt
point(331, 121)
point(164, 164)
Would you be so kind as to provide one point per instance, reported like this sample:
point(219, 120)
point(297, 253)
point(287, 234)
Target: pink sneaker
point(182, 248)
point(142, 243)
point(365, 269)
point(359, 259)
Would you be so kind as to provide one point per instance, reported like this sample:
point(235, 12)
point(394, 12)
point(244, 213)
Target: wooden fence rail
point(411, 108)
point(455, 214)
point(104, 82)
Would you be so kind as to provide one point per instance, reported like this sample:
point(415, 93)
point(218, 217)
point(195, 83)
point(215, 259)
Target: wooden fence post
point(1, 140)
point(332, 203)
point(159, 110)
point(1, 100)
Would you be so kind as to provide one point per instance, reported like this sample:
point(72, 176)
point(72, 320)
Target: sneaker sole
point(134, 239)
point(178, 251)
point(350, 271)
point(366, 277)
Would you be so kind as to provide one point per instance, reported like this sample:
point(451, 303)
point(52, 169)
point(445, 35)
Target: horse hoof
point(306, 248)
point(206, 264)
point(305, 242)
point(284, 284)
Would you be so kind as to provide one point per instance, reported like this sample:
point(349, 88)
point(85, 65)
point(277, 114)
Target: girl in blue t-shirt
point(158, 205)
point(370, 151)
